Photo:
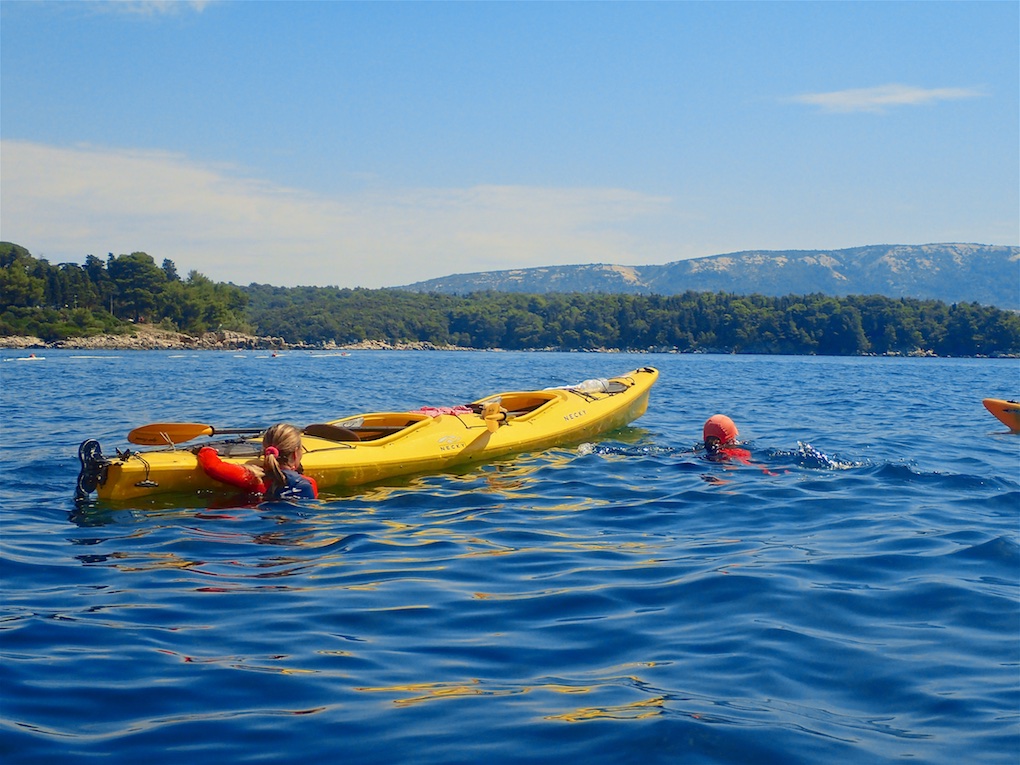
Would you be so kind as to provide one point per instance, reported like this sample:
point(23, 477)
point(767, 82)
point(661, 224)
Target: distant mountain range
point(954, 273)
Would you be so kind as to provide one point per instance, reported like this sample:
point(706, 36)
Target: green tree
point(19, 288)
point(170, 270)
point(843, 334)
point(138, 282)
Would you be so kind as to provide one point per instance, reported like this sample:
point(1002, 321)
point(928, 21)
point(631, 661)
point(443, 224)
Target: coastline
point(145, 338)
point(148, 338)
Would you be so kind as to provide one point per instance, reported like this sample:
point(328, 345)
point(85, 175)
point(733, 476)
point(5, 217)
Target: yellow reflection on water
point(637, 710)
point(431, 691)
point(154, 561)
point(422, 692)
point(418, 693)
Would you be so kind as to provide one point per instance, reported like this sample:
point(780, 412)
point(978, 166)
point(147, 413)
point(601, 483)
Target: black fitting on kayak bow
point(93, 468)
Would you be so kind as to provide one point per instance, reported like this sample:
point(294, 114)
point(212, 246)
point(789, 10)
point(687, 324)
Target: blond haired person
point(278, 477)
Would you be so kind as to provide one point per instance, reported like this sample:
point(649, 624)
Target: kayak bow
point(1007, 412)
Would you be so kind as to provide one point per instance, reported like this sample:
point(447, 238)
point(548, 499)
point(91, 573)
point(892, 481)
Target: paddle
point(162, 433)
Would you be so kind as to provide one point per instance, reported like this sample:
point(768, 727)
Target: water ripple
point(854, 601)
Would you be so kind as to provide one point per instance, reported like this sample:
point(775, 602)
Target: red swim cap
point(722, 427)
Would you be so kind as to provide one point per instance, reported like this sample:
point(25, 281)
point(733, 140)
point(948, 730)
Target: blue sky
point(377, 144)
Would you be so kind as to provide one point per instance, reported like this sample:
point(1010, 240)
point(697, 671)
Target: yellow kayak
point(363, 448)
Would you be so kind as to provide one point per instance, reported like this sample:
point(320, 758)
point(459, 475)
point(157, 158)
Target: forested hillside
point(705, 321)
point(68, 300)
point(71, 300)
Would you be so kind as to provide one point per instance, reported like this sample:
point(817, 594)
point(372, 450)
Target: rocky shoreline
point(152, 339)
point(146, 338)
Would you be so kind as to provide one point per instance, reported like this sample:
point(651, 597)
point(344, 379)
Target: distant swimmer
point(720, 436)
point(721, 445)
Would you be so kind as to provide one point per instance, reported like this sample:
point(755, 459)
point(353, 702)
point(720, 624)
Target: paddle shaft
point(163, 433)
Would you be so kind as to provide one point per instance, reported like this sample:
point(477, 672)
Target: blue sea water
point(854, 597)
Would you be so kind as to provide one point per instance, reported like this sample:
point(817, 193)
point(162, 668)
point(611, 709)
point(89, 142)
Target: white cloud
point(883, 97)
point(153, 7)
point(65, 203)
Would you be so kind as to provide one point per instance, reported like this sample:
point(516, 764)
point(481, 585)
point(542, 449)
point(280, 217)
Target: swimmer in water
point(720, 436)
point(721, 445)
point(278, 476)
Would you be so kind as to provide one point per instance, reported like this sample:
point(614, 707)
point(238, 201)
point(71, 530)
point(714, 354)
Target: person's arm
point(227, 472)
point(744, 456)
point(735, 453)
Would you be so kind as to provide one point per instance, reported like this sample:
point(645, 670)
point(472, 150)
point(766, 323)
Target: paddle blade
point(163, 433)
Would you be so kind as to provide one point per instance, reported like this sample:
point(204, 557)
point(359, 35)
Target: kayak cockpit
point(367, 427)
point(386, 425)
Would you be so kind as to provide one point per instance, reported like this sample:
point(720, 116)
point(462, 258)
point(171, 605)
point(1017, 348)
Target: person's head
point(281, 448)
point(719, 430)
